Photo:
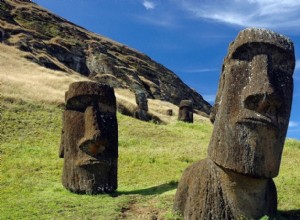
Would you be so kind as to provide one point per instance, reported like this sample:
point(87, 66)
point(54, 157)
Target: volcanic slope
point(56, 43)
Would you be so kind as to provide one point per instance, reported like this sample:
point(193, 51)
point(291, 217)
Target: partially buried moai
point(186, 111)
point(251, 116)
point(89, 142)
point(141, 111)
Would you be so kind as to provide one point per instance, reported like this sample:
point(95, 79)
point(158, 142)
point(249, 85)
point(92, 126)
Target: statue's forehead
point(82, 94)
point(141, 96)
point(88, 88)
point(186, 103)
point(260, 37)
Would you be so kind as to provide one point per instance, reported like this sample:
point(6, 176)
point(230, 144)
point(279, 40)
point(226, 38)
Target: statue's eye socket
point(105, 108)
point(80, 103)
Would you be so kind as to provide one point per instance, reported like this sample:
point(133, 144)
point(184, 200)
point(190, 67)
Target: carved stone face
point(253, 104)
point(90, 138)
point(141, 101)
point(186, 111)
point(141, 111)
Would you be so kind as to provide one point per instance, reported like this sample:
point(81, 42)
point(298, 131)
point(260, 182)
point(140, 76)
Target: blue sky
point(190, 37)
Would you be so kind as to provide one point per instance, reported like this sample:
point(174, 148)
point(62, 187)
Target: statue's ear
point(214, 110)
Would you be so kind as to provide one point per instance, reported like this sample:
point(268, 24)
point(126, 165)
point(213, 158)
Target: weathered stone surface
point(142, 106)
point(89, 143)
point(186, 111)
point(250, 118)
point(208, 191)
point(253, 103)
point(61, 45)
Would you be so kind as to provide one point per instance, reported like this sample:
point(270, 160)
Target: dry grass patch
point(22, 79)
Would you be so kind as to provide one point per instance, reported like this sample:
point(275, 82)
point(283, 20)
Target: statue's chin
point(260, 145)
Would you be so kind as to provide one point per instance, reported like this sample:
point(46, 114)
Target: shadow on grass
point(289, 215)
point(149, 191)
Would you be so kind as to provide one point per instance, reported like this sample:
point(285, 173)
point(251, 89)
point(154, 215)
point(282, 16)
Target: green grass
point(152, 159)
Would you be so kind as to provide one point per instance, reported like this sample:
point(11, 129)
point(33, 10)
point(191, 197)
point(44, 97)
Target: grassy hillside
point(152, 157)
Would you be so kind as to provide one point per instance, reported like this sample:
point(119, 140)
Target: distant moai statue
point(141, 111)
point(186, 111)
point(1, 35)
point(251, 116)
point(89, 142)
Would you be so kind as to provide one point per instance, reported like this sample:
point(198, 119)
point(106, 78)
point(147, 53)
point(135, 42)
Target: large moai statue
point(89, 142)
point(251, 116)
point(141, 111)
point(186, 111)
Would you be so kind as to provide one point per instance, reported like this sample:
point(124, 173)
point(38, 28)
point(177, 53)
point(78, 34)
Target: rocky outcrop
point(59, 44)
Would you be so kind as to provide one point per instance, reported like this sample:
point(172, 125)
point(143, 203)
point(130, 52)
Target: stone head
point(253, 103)
point(141, 101)
point(141, 111)
point(90, 137)
point(186, 111)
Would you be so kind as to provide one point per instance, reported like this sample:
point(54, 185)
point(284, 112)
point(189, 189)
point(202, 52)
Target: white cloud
point(293, 124)
point(247, 13)
point(162, 21)
point(204, 70)
point(149, 5)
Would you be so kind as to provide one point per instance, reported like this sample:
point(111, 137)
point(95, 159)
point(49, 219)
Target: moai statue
point(186, 111)
point(251, 118)
point(1, 35)
point(89, 142)
point(142, 106)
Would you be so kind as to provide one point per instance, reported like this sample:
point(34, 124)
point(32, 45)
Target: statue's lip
point(260, 119)
point(88, 162)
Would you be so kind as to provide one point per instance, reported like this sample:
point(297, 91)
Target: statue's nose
point(92, 142)
point(260, 94)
